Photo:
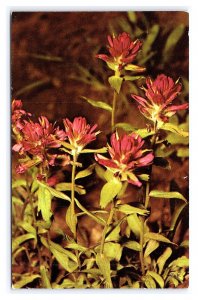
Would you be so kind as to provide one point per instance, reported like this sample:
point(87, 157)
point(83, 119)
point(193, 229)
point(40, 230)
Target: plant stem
point(109, 220)
point(113, 110)
point(75, 157)
point(142, 245)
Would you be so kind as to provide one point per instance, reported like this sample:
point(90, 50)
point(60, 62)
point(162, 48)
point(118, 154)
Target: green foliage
point(27, 278)
point(71, 219)
point(98, 104)
point(44, 203)
point(157, 237)
point(104, 266)
point(116, 83)
point(109, 191)
point(169, 195)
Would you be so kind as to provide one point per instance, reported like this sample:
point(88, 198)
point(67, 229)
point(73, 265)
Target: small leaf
point(44, 203)
point(185, 244)
point(85, 172)
point(178, 209)
point(113, 235)
point(113, 251)
point(27, 227)
point(152, 245)
point(169, 195)
point(45, 277)
point(133, 78)
point(149, 282)
point(144, 177)
point(135, 224)
point(128, 209)
point(144, 132)
point(19, 182)
point(150, 39)
point(163, 258)
point(21, 239)
point(100, 171)
point(134, 68)
point(25, 280)
point(157, 237)
point(116, 83)
point(101, 150)
point(67, 186)
point(108, 175)
point(175, 129)
point(54, 192)
point(180, 262)
point(71, 219)
point(125, 126)
point(133, 245)
point(98, 104)
point(157, 278)
point(109, 191)
point(104, 266)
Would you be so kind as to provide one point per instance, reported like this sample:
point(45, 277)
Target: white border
point(6, 6)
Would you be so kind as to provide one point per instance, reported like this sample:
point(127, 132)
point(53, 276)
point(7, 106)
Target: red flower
point(17, 113)
point(79, 133)
point(122, 50)
point(159, 96)
point(126, 156)
point(36, 140)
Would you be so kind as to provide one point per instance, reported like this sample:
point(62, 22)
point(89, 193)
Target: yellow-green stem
point(75, 157)
point(113, 110)
point(109, 220)
point(141, 254)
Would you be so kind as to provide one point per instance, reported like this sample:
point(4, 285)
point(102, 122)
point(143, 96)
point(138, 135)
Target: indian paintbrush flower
point(79, 133)
point(160, 93)
point(122, 50)
point(126, 155)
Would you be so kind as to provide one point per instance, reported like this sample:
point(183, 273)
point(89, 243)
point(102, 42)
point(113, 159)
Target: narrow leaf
point(134, 68)
point(132, 78)
point(104, 266)
point(25, 280)
point(135, 224)
point(133, 245)
point(45, 277)
point(71, 219)
point(157, 237)
point(163, 258)
point(85, 172)
point(19, 182)
point(98, 104)
point(169, 195)
point(157, 278)
point(149, 282)
point(128, 209)
point(125, 126)
point(180, 262)
point(44, 203)
point(21, 239)
point(152, 245)
point(54, 192)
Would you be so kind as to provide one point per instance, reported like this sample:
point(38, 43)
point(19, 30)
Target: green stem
point(113, 110)
point(75, 157)
point(141, 255)
point(109, 220)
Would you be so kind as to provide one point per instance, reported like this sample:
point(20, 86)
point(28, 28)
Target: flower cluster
point(79, 133)
point(126, 155)
point(157, 106)
point(122, 50)
point(17, 114)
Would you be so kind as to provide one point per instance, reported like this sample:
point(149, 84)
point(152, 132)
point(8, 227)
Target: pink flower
point(17, 114)
point(126, 155)
point(122, 50)
point(79, 133)
point(160, 94)
point(36, 140)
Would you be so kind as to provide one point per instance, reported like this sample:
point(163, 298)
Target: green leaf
point(101, 150)
point(108, 175)
point(134, 68)
point(104, 266)
point(19, 182)
point(135, 224)
point(44, 203)
point(45, 277)
point(17, 201)
point(144, 132)
point(180, 262)
point(21, 239)
point(163, 258)
point(169, 195)
point(113, 251)
point(157, 237)
point(150, 39)
point(157, 278)
point(128, 210)
point(132, 16)
point(85, 172)
point(133, 245)
point(149, 282)
point(27, 227)
point(172, 41)
point(67, 186)
point(98, 104)
point(178, 209)
point(75, 246)
point(133, 78)
point(114, 234)
point(152, 245)
point(109, 191)
point(144, 177)
point(175, 129)
point(34, 186)
point(54, 192)
point(125, 126)
point(65, 258)
point(71, 219)
point(183, 152)
point(25, 280)
point(116, 83)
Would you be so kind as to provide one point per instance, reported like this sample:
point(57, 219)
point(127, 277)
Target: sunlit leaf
point(98, 104)
point(163, 258)
point(144, 177)
point(180, 262)
point(175, 129)
point(21, 239)
point(25, 280)
point(178, 209)
point(134, 68)
point(85, 172)
point(104, 266)
point(100, 150)
point(109, 191)
point(129, 209)
point(149, 282)
point(157, 278)
point(113, 251)
point(114, 235)
point(144, 132)
point(169, 195)
point(133, 78)
point(44, 203)
point(45, 277)
point(151, 246)
point(116, 83)
point(54, 192)
point(135, 224)
point(132, 16)
point(27, 227)
point(133, 245)
point(157, 237)
point(19, 182)
point(183, 152)
point(71, 219)
point(67, 186)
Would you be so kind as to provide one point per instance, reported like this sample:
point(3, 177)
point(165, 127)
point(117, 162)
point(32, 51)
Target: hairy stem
point(109, 220)
point(113, 110)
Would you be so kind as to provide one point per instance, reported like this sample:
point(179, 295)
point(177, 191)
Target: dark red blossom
point(126, 155)
point(79, 133)
point(122, 50)
point(160, 93)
